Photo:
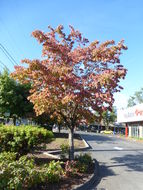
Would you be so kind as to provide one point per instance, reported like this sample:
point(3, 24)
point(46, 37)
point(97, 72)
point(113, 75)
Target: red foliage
point(74, 76)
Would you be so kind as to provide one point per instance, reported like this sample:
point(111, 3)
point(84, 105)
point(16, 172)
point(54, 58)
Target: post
point(126, 130)
point(114, 130)
point(130, 133)
point(141, 131)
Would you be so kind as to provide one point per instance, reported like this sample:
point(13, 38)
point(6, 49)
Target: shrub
point(54, 171)
point(70, 168)
point(7, 157)
point(18, 174)
point(65, 151)
point(21, 139)
point(23, 174)
point(83, 162)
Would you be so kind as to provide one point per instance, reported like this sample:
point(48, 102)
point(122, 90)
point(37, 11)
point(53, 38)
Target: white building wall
point(141, 131)
point(130, 129)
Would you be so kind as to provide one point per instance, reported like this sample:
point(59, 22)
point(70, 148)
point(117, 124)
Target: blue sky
point(101, 20)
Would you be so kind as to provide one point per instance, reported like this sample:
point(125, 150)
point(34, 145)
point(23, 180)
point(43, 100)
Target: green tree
point(137, 98)
point(13, 97)
point(109, 117)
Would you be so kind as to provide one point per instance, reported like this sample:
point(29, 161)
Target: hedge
point(22, 139)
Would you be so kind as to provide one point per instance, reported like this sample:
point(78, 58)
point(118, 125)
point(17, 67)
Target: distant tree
point(76, 78)
point(137, 98)
point(108, 118)
point(13, 97)
point(47, 120)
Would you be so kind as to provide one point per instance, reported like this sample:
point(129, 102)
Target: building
point(133, 119)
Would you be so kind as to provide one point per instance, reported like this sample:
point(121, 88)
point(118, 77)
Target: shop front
point(133, 118)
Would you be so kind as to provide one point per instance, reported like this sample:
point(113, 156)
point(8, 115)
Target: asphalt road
point(120, 160)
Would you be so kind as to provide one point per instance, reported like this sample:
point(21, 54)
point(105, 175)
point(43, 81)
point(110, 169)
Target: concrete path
point(121, 162)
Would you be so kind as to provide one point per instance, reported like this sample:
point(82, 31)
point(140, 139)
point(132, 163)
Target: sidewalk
point(129, 138)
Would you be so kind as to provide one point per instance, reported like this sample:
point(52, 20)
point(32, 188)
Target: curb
point(51, 155)
point(87, 146)
point(92, 181)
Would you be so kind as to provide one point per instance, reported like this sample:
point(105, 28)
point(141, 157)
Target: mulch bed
point(65, 184)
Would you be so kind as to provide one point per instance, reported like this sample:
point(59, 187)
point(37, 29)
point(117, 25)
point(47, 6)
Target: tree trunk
point(59, 127)
point(71, 144)
point(107, 127)
point(14, 120)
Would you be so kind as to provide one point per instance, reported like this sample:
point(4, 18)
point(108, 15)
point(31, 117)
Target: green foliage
point(83, 162)
point(7, 157)
point(23, 174)
point(45, 120)
point(18, 174)
point(21, 139)
point(108, 117)
point(13, 97)
point(65, 150)
point(137, 98)
point(54, 171)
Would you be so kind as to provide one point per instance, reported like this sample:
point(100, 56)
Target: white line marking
point(118, 148)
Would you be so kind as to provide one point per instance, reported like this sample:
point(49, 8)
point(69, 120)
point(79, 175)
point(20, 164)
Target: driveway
point(121, 162)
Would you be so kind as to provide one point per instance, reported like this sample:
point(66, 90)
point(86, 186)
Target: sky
point(96, 20)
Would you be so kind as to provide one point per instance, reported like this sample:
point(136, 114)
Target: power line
point(10, 35)
point(7, 56)
point(5, 51)
point(4, 65)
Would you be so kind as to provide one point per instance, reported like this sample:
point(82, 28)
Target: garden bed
point(31, 174)
point(36, 170)
point(66, 182)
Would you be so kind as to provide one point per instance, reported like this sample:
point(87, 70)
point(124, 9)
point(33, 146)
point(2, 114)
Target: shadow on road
point(97, 138)
point(132, 162)
point(104, 172)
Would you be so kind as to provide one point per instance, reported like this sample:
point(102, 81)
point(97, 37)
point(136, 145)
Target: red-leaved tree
point(75, 80)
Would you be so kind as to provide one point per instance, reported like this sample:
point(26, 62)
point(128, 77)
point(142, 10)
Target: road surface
point(121, 162)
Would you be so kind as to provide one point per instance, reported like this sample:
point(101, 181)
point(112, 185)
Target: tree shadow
point(99, 139)
point(104, 173)
point(132, 162)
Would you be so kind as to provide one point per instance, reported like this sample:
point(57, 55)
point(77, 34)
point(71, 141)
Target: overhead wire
point(8, 55)
point(4, 66)
point(11, 40)
point(1, 67)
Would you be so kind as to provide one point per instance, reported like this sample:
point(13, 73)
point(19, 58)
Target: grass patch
point(137, 138)
point(78, 143)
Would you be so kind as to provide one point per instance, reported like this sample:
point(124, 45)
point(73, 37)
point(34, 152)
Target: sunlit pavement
point(121, 162)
